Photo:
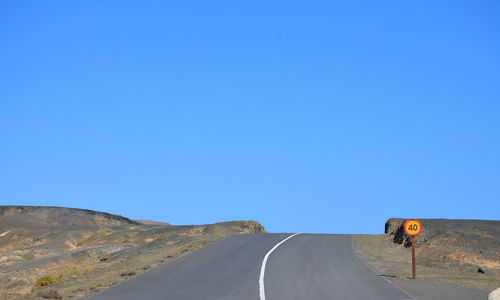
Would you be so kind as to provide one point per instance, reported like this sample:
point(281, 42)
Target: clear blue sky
point(305, 116)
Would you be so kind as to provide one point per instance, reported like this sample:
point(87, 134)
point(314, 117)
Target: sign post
point(413, 228)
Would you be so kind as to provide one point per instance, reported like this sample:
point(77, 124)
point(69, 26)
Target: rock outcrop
point(495, 295)
point(472, 245)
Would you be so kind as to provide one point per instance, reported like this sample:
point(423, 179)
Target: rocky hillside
point(460, 252)
point(65, 253)
point(47, 215)
point(151, 222)
point(472, 244)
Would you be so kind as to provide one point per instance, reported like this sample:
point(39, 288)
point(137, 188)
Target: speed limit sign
point(413, 227)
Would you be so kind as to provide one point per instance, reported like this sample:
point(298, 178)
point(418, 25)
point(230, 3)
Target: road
point(304, 266)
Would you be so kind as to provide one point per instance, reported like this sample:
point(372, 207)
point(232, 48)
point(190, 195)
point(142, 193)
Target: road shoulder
point(426, 290)
point(393, 263)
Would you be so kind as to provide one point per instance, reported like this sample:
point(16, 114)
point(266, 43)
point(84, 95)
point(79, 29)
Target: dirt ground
point(394, 260)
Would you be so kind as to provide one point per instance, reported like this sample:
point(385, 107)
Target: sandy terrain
point(461, 252)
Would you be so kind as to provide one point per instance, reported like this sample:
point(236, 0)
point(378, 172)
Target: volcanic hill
point(67, 253)
point(461, 252)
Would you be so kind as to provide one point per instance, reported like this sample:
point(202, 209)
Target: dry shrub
point(128, 273)
point(48, 279)
point(50, 294)
point(27, 256)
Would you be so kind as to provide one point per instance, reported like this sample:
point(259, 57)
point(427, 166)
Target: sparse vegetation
point(50, 294)
point(73, 271)
point(48, 279)
point(27, 256)
point(128, 273)
point(100, 256)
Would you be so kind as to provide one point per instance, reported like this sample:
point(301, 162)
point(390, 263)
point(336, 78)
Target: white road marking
point(263, 267)
point(378, 273)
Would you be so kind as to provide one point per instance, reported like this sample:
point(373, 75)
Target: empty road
point(262, 266)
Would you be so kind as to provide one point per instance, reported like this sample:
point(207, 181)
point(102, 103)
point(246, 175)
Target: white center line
point(263, 267)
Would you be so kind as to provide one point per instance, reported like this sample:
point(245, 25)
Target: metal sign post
point(413, 271)
point(413, 228)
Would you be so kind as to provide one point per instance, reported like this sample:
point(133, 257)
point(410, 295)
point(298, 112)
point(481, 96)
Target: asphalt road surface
point(305, 267)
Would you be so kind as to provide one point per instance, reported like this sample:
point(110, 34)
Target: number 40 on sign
point(413, 227)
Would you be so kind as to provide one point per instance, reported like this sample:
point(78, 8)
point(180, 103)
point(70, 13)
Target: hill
point(46, 215)
point(151, 222)
point(461, 252)
point(52, 252)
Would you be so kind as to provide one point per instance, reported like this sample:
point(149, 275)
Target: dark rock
point(50, 294)
point(128, 273)
point(400, 237)
point(484, 271)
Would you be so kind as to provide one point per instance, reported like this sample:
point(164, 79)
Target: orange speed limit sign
point(413, 227)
